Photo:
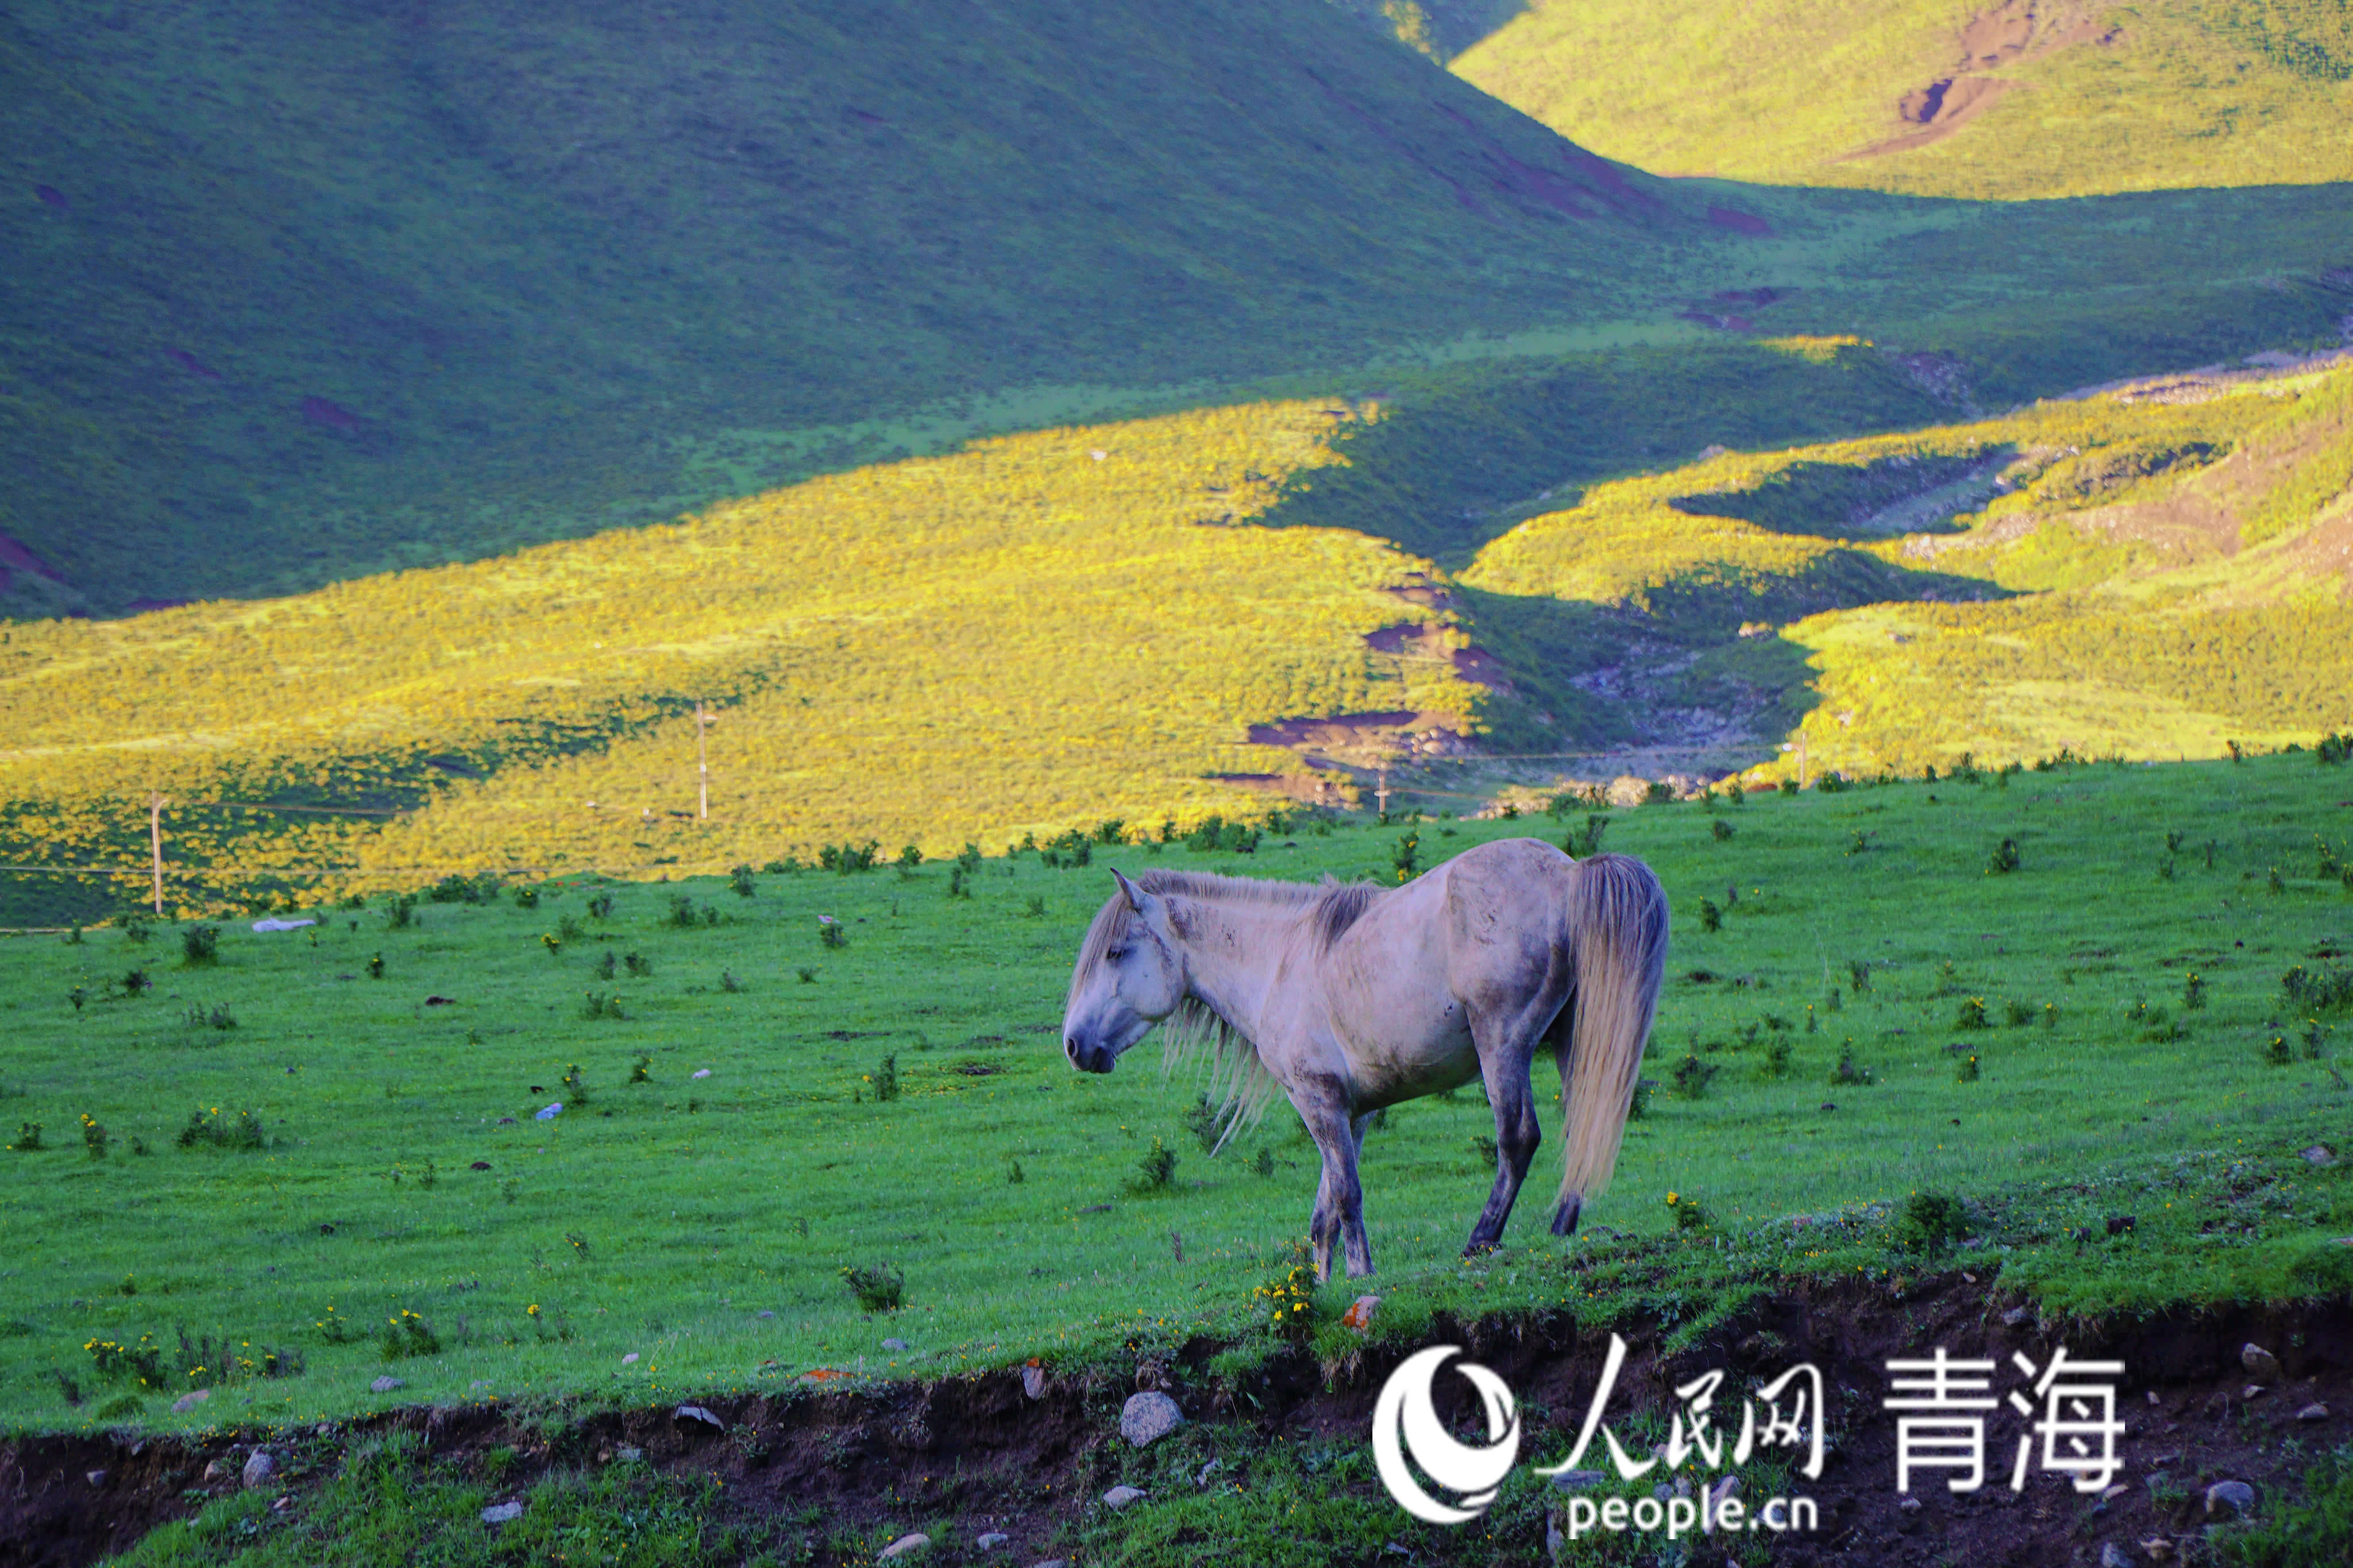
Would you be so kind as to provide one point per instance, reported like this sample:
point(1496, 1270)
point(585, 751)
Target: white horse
point(1354, 997)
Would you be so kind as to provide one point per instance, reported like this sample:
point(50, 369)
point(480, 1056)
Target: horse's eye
point(1115, 954)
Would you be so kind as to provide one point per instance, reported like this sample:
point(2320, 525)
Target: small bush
point(1968, 1071)
point(29, 1138)
point(375, 967)
point(1157, 1169)
point(910, 857)
point(1689, 1214)
point(1848, 1071)
point(526, 898)
point(1638, 1104)
point(1264, 1164)
point(601, 906)
point(729, 983)
point(1013, 1176)
point(2016, 1015)
point(1971, 1014)
point(608, 966)
point(878, 1287)
point(1204, 1123)
point(1721, 829)
point(210, 1128)
point(1692, 1076)
point(1036, 908)
point(199, 945)
point(93, 1136)
point(400, 911)
point(1710, 917)
point(885, 1078)
point(2193, 992)
point(739, 882)
point(641, 1070)
point(1858, 974)
point(1585, 842)
point(575, 1092)
point(637, 964)
point(1777, 1052)
point(408, 1335)
point(2277, 1052)
point(2325, 991)
point(2004, 859)
point(1405, 856)
point(1289, 1301)
point(1929, 1222)
point(135, 930)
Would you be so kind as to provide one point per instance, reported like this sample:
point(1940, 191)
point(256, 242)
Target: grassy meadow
point(2091, 98)
point(321, 1147)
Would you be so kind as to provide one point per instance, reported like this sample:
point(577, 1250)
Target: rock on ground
point(2259, 1360)
point(1120, 1497)
point(259, 1469)
point(2236, 1496)
point(992, 1541)
point(1147, 1418)
point(386, 1385)
point(905, 1546)
point(500, 1513)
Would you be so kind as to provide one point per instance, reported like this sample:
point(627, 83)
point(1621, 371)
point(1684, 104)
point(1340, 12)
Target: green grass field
point(660, 1219)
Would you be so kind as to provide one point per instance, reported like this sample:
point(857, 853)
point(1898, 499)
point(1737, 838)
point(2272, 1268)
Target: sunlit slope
point(1933, 98)
point(1043, 631)
point(2179, 554)
point(297, 292)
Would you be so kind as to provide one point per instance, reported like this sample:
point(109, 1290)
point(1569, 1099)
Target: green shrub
point(210, 1128)
point(1848, 1071)
point(1692, 1076)
point(1710, 917)
point(407, 1335)
point(739, 882)
point(878, 1287)
point(2004, 859)
point(885, 1078)
point(1931, 1221)
point(199, 945)
point(1157, 1170)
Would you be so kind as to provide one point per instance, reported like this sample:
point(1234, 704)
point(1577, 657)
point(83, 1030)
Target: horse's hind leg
point(1517, 1133)
point(1563, 1218)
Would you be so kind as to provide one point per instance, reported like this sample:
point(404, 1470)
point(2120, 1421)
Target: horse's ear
point(1135, 895)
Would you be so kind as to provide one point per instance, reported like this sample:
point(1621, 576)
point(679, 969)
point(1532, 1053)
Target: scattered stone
point(692, 1416)
point(1147, 1418)
point(1033, 1380)
point(1910, 1505)
point(894, 1344)
point(501, 1512)
point(628, 1454)
point(2259, 1360)
point(2236, 1496)
point(480, 1382)
point(216, 1471)
point(1202, 1479)
point(1359, 1315)
point(190, 1400)
point(1120, 1497)
point(2115, 1491)
point(763, 1313)
point(2321, 1155)
point(992, 1540)
point(259, 1469)
point(386, 1385)
point(2115, 1557)
point(630, 1359)
point(905, 1546)
point(2158, 1547)
point(2313, 1413)
point(2252, 1391)
point(480, 1165)
point(705, 1072)
point(96, 1477)
point(1577, 1480)
point(2016, 1316)
point(1049, 1563)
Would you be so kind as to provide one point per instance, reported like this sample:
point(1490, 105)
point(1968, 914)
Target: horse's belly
point(1430, 1055)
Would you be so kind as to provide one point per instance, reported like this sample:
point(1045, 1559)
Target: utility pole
point(1382, 794)
point(155, 803)
point(1802, 780)
point(702, 762)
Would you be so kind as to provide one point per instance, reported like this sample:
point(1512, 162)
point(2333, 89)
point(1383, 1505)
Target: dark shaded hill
point(300, 291)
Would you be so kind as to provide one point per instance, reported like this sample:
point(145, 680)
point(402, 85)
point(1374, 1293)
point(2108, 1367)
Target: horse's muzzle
point(1089, 1058)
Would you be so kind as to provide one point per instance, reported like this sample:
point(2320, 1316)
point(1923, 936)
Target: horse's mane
point(1239, 1086)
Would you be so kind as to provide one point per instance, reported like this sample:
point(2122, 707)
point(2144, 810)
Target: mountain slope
point(2007, 99)
point(297, 292)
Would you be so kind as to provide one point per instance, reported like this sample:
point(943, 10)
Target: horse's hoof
point(1563, 1218)
point(1479, 1249)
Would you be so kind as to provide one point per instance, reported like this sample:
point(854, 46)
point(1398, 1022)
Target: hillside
point(303, 294)
point(2003, 101)
point(300, 292)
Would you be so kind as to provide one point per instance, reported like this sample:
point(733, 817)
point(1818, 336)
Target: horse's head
point(1129, 976)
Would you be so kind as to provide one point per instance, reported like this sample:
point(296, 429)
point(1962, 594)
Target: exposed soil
point(2015, 31)
point(980, 1450)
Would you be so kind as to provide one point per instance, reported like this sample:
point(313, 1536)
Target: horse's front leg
point(1517, 1133)
point(1340, 1198)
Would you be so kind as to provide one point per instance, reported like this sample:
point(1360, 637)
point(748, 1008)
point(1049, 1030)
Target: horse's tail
point(1618, 927)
